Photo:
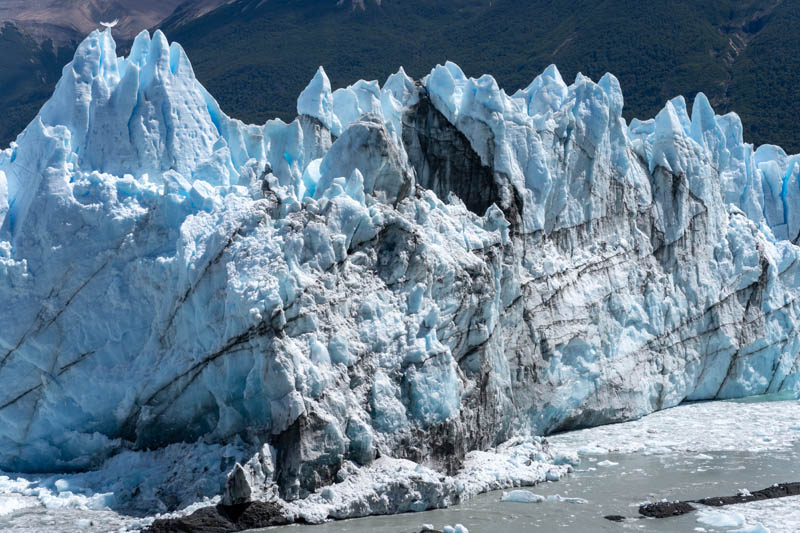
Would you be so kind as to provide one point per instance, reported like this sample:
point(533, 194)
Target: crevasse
point(415, 270)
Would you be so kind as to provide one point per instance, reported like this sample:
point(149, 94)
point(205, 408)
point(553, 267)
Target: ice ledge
point(392, 486)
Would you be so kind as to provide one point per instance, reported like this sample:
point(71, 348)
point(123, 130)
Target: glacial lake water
point(610, 490)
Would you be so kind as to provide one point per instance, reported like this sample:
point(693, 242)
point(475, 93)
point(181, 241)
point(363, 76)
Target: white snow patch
point(693, 428)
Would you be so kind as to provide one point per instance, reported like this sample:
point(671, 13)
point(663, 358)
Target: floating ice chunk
point(715, 518)
point(751, 528)
point(521, 496)
point(592, 449)
point(526, 496)
point(557, 498)
point(607, 463)
point(566, 458)
point(458, 528)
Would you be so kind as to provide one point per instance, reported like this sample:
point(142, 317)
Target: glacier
point(407, 272)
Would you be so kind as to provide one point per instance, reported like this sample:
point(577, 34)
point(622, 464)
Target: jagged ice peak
point(418, 269)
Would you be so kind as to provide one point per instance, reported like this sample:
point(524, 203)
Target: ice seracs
point(316, 101)
point(410, 272)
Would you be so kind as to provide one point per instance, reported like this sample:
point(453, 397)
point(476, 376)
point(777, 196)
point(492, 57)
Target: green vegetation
point(255, 56)
point(28, 75)
point(766, 88)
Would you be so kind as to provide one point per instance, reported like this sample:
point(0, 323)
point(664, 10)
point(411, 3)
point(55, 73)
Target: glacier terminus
point(383, 304)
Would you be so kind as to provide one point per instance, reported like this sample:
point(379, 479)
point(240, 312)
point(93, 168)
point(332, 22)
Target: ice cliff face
point(414, 270)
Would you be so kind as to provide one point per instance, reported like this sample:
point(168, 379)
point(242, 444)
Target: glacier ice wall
point(416, 270)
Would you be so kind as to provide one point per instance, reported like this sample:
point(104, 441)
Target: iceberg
point(417, 271)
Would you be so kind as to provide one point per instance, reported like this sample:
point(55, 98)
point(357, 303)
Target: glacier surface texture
point(413, 270)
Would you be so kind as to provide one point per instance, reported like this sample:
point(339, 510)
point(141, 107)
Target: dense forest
point(255, 56)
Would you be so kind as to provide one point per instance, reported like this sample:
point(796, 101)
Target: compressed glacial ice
point(416, 271)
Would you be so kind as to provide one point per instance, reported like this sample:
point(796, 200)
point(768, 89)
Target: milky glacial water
point(610, 490)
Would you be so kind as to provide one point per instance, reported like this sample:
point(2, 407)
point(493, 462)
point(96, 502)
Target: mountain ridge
point(736, 53)
point(65, 21)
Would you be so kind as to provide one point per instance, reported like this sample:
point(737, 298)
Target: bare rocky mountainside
point(72, 20)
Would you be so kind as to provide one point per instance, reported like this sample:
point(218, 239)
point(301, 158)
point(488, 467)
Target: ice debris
point(526, 496)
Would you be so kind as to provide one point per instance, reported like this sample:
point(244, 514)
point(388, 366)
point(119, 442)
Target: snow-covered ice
point(13, 502)
point(694, 429)
point(720, 518)
point(780, 515)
